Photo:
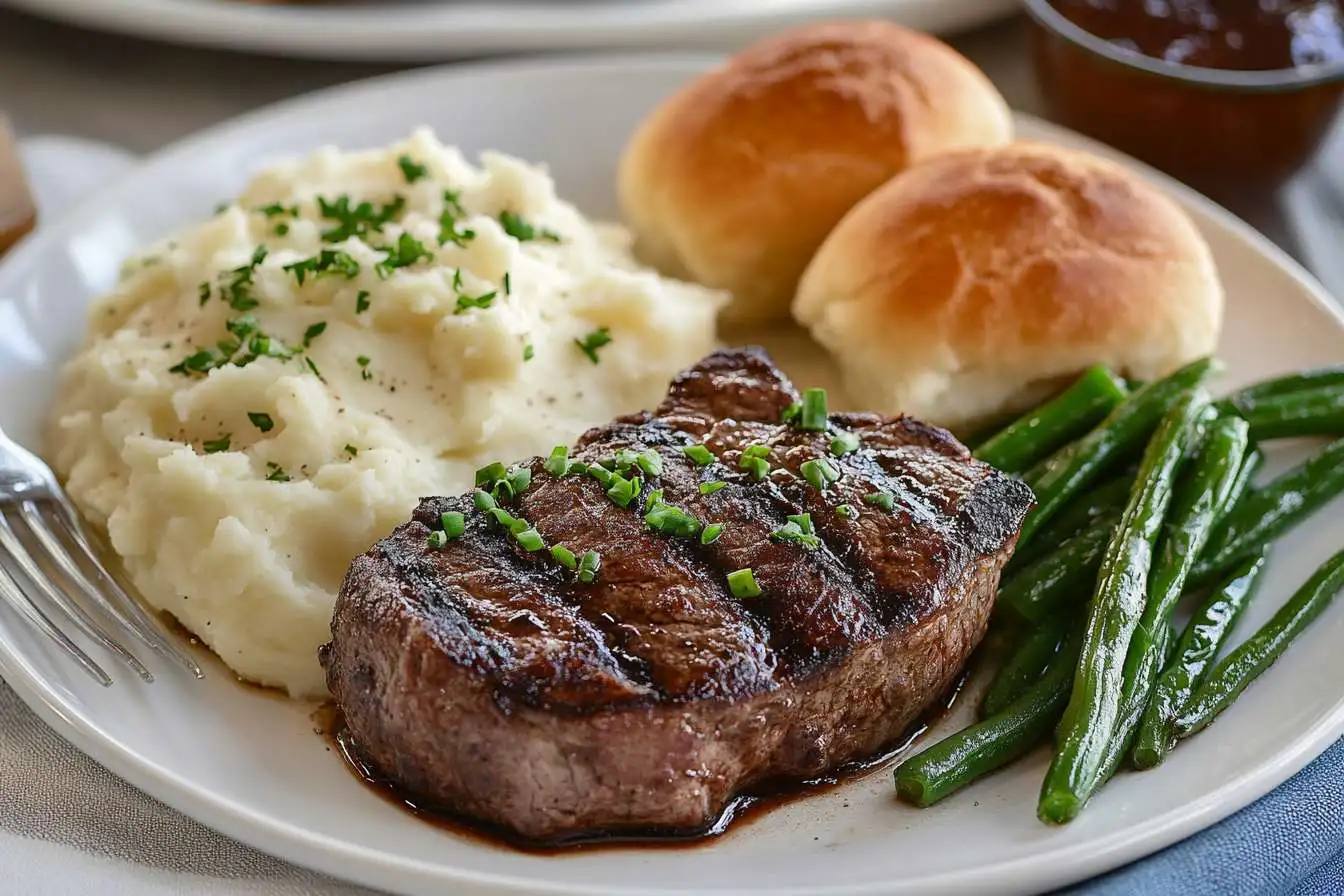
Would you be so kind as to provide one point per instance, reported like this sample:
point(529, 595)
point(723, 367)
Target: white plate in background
point(251, 766)
point(427, 30)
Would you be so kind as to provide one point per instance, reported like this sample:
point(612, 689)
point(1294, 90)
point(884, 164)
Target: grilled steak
point(487, 679)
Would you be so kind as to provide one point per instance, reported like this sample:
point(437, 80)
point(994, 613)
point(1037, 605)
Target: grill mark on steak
point(487, 679)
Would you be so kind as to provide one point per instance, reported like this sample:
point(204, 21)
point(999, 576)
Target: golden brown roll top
point(737, 178)
point(976, 282)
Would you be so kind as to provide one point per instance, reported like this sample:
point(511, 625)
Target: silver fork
point(32, 502)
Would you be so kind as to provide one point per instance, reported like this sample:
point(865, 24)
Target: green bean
point(1054, 424)
point(1208, 630)
point(1315, 412)
point(1069, 574)
point(1189, 521)
point(1268, 512)
point(1284, 385)
point(974, 752)
point(1079, 464)
point(1107, 499)
point(1243, 665)
point(1023, 668)
point(1250, 465)
point(1132, 704)
point(1090, 718)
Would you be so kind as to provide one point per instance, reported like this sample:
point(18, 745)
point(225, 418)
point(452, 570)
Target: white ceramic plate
point(251, 765)
point(422, 30)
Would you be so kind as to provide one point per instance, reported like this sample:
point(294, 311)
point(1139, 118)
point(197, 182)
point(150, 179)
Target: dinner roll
point(979, 282)
point(737, 178)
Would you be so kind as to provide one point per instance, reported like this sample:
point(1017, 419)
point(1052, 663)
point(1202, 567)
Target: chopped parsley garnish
point(885, 500)
point(530, 540)
point(711, 533)
point(406, 252)
point(312, 365)
point(758, 467)
point(798, 530)
point(815, 414)
point(201, 361)
point(709, 488)
point(276, 210)
point(352, 450)
point(565, 557)
point(508, 520)
point(742, 583)
point(361, 220)
point(454, 523)
point(328, 262)
point(519, 480)
point(466, 303)
point(589, 567)
point(313, 332)
point(450, 217)
point(214, 446)
point(363, 361)
point(699, 455)
point(594, 341)
point(820, 472)
point(529, 352)
point(672, 520)
point(261, 421)
point(844, 443)
point(847, 511)
point(517, 227)
point(362, 301)
point(236, 290)
point(276, 473)
point(650, 462)
point(623, 461)
point(247, 343)
point(623, 491)
point(452, 201)
point(282, 229)
point(508, 285)
point(438, 539)
point(411, 169)
point(558, 463)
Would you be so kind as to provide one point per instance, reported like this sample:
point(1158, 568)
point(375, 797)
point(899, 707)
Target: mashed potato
point(266, 394)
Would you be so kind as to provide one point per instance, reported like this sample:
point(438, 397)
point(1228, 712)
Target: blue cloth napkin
point(1288, 843)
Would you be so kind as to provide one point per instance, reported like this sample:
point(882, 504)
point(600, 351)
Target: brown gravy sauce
point(742, 810)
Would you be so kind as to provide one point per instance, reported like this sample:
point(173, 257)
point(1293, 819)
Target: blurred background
point(1238, 98)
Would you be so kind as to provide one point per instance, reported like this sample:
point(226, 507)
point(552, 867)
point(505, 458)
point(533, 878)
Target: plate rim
point(304, 32)
point(370, 867)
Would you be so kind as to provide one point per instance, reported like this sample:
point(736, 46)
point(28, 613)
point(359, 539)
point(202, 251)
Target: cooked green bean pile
point(1145, 499)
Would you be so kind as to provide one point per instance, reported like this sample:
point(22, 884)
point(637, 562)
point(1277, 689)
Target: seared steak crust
point(486, 679)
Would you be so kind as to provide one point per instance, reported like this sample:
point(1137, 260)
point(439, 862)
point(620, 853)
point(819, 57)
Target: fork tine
point(13, 595)
point(130, 615)
point(18, 552)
